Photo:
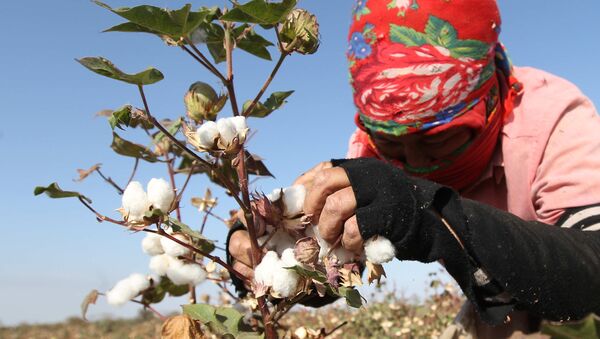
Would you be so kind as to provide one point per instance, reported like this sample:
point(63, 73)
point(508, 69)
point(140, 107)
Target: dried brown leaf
point(374, 272)
point(85, 173)
point(181, 327)
point(91, 298)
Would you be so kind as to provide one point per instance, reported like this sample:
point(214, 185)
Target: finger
point(338, 208)
point(306, 178)
point(240, 248)
point(325, 183)
point(244, 270)
point(351, 239)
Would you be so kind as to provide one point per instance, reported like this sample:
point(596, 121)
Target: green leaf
point(248, 40)
point(316, 275)
point(55, 192)
point(260, 12)
point(130, 27)
point(352, 296)
point(407, 36)
point(440, 32)
point(106, 68)
point(129, 116)
point(174, 23)
point(275, 101)
point(129, 149)
point(224, 321)
point(586, 328)
point(198, 239)
point(158, 292)
point(469, 49)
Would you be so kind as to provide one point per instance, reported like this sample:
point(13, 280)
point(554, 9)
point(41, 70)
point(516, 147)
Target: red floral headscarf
point(425, 66)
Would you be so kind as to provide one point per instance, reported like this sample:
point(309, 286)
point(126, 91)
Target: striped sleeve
point(585, 218)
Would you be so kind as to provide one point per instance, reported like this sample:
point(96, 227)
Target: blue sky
point(54, 252)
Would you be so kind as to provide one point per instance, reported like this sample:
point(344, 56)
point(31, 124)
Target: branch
point(229, 59)
point(135, 166)
point(266, 84)
point(101, 217)
point(202, 59)
point(110, 181)
point(173, 186)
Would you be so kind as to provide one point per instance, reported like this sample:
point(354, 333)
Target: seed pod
point(202, 102)
point(300, 32)
point(307, 250)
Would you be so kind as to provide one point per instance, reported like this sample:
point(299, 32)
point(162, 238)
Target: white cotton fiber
point(285, 282)
point(379, 250)
point(282, 240)
point(160, 194)
point(240, 127)
point(313, 231)
point(159, 264)
point(127, 289)
point(343, 255)
point(172, 248)
point(263, 273)
point(135, 201)
point(183, 274)
point(288, 259)
point(151, 244)
point(275, 195)
point(227, 131)
point(293, 200)
point(208, 133)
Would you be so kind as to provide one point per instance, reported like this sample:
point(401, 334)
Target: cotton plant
point(209, 138)
point(298, 260)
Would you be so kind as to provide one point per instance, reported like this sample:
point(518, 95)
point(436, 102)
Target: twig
point(185, 183)
point(206, 63)
point(205, 218)
point(173, 185)
point(266, 84)
point(110, 181)
point(229, 59)
point(217, 217)
point(99, 216)
point(151, 309)
point(224, 288)
point(135, 166)
point(335, 329)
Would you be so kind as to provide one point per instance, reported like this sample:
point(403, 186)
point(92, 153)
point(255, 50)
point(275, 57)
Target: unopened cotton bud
point(160, 194)
point(208, 133)
point(183, 274)
point(285, 282)
point(151, 244)
point(135, 202)
point(159, 264)
point(172, 248)
point(263, 273)
point(227, 132)
point(202, 102)
point(379, 250)
point(300, 32)
point(293, 200)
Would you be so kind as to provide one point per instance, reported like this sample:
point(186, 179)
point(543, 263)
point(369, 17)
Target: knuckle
point(321, 178)
point(333, 206)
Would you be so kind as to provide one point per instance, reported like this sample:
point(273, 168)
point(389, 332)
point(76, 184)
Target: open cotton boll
point(135, 201)
point(263, 272)
point(275, 195)
point(293, 200)
point(240, 126)
point(343, 255)
point(285, 282)
point(151, 244)
point(183, 274)
point(172, 248)
point(379, 250)
point(208, 134)
point(288, 259)
point(227, 131)
point(282, 240)
point(160, 194)
point(138, 282)
point(159, 264)
point(313, 231)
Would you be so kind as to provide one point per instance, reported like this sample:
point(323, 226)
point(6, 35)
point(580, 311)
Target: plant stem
point(99, 216)
point(335, 329)
point(205, 218)
point(229, 60)
point(266, 84)
point(135, 166)
point(192, 292)
point(110, 181)
point(151, 309)
point(204, 60)
point(173, 185)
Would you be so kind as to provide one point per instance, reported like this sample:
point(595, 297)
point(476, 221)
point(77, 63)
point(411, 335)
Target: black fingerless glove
point(549, 271)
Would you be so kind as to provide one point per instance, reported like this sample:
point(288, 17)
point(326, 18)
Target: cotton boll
point(263, 272)
point(160, 194)
point(135, 201)
point(285, 282)
point(282, 240)
point(159, 264)
point(293, 200)
point(208, 134)
point(172, 248)
point(240, 126)
point(379, 250)
point(138, 282)
point(288, 259)
point(275, 195)
point(227, 131)
point(343, 255)
point(183, 274)
point(151, 244)
point(313, 231)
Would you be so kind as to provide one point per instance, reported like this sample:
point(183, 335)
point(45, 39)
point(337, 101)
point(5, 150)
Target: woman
point(463, 159)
